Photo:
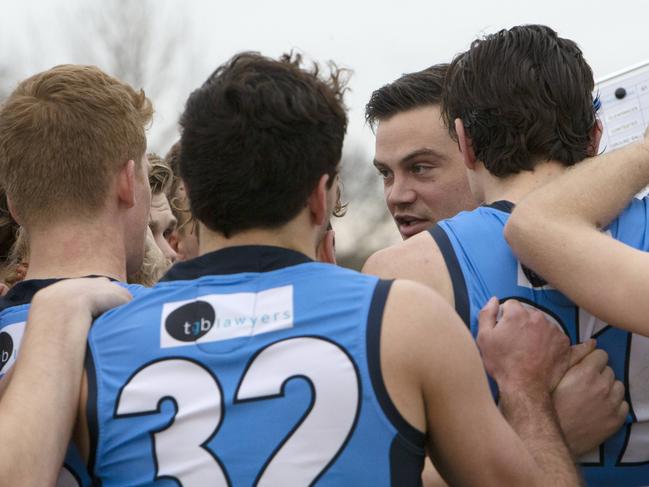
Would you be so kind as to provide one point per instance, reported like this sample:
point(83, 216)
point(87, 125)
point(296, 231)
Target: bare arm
point(589, 403)
point(417, 259)
point(38, 408)
point(555, 231)
point(447, 396)
point(527, 357)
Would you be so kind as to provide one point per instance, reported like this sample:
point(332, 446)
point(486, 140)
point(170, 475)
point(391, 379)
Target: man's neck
point(76, 249)
point(516, 187)
point(293, 236)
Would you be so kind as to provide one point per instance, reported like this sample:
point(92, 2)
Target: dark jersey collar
point(502, 205)
point(23, 292)
point(234, 260)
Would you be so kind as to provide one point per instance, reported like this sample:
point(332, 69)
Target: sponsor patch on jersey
point(217, 317)
point(10, 338)
point(6, 349)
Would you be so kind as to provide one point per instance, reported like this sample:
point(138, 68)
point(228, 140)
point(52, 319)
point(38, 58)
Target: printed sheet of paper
point(625, 108)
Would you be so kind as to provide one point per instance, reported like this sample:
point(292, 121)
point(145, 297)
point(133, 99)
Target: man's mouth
point(410, 225)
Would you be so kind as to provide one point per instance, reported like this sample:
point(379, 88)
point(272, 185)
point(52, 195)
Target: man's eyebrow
point(425, 151)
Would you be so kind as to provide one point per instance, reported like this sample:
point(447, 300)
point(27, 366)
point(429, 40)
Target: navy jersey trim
point(152, 433)
point(23, 292)
point(235, 260)
point(308, 380)
point(70, 469)
point(501, 205)
point(374, 323)
point(460, 291)
point(405, 466)
point(92, 413)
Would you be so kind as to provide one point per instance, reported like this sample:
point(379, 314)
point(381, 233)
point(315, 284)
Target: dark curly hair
point(257, 137)
point(524, 96)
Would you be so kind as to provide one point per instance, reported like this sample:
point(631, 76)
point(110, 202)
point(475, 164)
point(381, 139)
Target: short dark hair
point(256, 138)
point(412, 90)
point(524, 96)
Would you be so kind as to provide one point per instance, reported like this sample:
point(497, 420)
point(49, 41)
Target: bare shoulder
point(417, 259)
point(420, 335)
point(425, 309)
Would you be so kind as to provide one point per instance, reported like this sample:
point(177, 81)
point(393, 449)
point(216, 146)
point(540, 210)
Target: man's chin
point(411, 229)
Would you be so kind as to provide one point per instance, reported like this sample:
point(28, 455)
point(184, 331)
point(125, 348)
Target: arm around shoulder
point(435, 377)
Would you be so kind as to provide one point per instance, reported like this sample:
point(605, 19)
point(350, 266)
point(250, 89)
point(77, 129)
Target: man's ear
point(595, 138)
point(126, 183)
point(466, 146)
point(174, 241)
point(12, 210)
point(317, 201)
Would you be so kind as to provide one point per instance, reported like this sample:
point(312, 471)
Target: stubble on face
point(422, 168)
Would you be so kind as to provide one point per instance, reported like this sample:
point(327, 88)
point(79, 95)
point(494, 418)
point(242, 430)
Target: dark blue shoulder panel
point(460, 292)
point(374, 322)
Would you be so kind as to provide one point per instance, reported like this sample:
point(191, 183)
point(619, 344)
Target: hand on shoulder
point(88, 296)
point(521, 348)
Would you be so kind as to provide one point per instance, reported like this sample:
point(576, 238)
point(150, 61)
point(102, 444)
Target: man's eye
point(419, 168)
point(385, 174)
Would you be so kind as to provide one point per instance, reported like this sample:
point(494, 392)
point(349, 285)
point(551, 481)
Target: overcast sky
point(378, 39)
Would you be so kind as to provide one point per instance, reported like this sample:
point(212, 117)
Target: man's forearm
point(38, 408)
point(594, 191)
point(555, 232)
point(535, 421)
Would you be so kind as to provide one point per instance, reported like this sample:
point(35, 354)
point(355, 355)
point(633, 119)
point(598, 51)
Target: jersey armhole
point(374, 322)
point(92, 412)
point(460, 292)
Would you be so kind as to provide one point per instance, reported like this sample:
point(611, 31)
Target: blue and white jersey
point(251, 365)
point(482, 265)
point(14, 309)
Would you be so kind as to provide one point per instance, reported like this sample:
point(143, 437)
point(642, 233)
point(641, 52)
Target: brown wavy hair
point(410, 91)
point(524, 96)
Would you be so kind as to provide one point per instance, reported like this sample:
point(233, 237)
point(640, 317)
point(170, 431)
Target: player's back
point(250, 365)
point(482, 265)
point(14, 309)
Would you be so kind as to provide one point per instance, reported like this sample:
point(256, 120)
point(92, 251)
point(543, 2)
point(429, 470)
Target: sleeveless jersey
point(251, 365)
point(14, 308)
point(482, 265)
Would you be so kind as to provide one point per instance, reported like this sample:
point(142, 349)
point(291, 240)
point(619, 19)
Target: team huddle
point(182, 320)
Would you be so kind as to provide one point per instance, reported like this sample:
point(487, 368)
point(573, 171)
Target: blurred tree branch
point(367, 219)
point(4, 82)
point(139, 43)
